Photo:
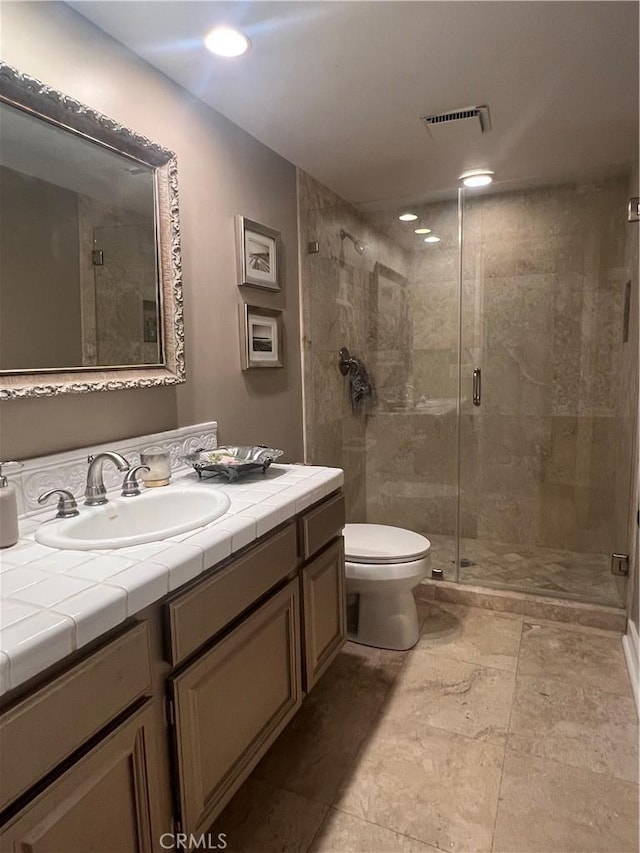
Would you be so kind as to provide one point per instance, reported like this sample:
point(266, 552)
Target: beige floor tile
point(460, 697)
point(583, 658)
point(582, 727)
point(469, 634)
point(363, 672)
point(547, 807)
point(262, 819)
point(433, 785)
point(344, 833)
point(313, 755)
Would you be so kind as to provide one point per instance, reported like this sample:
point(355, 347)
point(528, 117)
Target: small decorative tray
point(231, 462)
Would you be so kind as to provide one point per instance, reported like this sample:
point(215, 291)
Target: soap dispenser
point(8, 511)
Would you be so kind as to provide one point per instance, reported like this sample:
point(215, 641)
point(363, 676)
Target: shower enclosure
point(503, 420)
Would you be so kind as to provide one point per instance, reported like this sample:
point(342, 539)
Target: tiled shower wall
point(336, 297)
point(112, 295)
point(543, 459)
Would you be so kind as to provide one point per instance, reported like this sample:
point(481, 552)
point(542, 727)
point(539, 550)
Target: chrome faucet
point(96, 493)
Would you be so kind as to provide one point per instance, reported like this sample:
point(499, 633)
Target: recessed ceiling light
point(422, 231)
point(432, 239)
point(407, 217)
point(477, 177)
point(225, 41)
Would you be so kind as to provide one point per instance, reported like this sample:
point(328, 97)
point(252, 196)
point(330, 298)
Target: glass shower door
point(544, 448)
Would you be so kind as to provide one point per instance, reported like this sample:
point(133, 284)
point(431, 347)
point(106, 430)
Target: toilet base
point(387, 621)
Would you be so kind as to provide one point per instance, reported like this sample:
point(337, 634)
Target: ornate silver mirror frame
point(40, 100)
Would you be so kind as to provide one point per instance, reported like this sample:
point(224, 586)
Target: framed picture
point(259, 254)
point(260, 337)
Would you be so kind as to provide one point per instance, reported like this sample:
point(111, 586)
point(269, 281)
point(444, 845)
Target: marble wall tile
point(434, 308)
point(435, 373)
point(416, 504)
point(338, 304)
point(510, 452)
point(327, 447)
point(543, 278)
point(507, 517)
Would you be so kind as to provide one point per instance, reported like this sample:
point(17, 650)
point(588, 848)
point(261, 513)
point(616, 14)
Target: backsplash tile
point(69, 470)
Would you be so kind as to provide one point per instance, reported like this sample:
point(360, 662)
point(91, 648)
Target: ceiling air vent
point(467, 119)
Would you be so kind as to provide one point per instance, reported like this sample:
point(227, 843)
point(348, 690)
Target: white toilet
point(383, 565)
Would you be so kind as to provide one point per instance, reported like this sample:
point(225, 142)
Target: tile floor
point(530, 568)
point(495, 733)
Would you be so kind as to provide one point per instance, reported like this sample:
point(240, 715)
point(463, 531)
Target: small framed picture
point(260, 337)
point(259, 254)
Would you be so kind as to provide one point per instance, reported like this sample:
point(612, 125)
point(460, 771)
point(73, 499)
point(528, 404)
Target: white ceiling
point(338, 88)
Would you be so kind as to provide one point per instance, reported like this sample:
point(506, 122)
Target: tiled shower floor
point(586, 577)
point(495, 733)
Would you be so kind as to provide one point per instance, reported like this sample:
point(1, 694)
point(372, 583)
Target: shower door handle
point(477, 386)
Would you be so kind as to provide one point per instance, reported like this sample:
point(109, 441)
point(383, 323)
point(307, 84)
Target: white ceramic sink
point(148, 517)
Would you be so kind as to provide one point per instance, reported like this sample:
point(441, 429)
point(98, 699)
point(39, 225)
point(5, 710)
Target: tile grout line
point(334, 807)
point(506, 740)
point(356, 756)
point(466, 661)
point(603, 774)
point(281, 790)
point(427, 844)
point(379, 714)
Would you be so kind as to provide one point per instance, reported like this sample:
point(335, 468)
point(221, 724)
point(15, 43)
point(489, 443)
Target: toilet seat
point(414, 569)
point(381, 544)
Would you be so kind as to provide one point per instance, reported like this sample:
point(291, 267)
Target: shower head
point(359, 246)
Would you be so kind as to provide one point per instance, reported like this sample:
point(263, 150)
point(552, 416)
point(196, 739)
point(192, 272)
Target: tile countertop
point(53, 602)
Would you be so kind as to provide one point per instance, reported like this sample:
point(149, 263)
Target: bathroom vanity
point(153, 726)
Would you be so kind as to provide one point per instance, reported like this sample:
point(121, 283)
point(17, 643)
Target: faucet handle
point(67, 506)
point(130, 487)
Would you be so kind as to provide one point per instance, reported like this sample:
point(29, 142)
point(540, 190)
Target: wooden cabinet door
point(101, 804)
point(324, 610)
point(232, 703)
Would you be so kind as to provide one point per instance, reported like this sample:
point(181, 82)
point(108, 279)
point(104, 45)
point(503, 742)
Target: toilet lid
point(380, 543)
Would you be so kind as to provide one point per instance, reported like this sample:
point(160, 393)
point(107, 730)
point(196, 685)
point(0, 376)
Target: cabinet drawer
point(197, 615)
point(321, 525)
point(71, 709)
point(232, 703)
point(100, 803)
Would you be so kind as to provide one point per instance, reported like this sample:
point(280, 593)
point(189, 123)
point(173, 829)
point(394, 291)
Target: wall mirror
point(90, 265)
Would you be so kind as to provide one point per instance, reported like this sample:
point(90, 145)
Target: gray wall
point(38, 274)
point(222, 171)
